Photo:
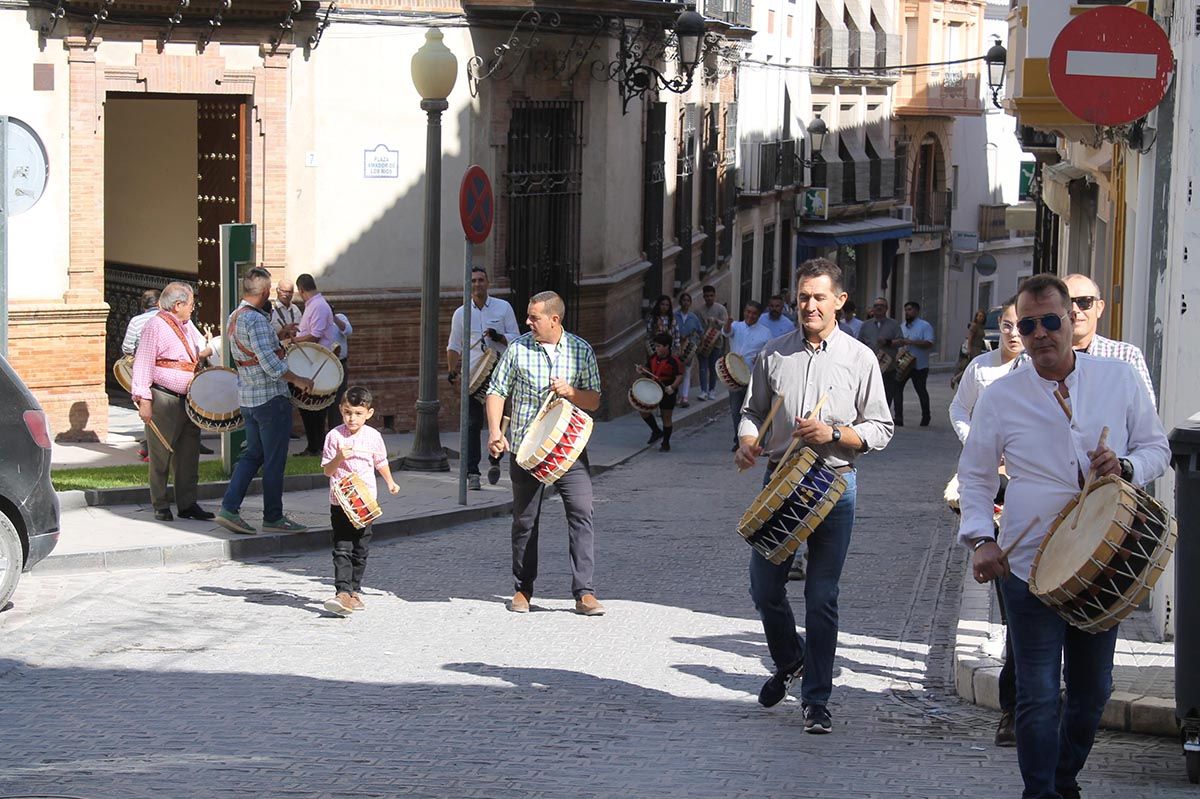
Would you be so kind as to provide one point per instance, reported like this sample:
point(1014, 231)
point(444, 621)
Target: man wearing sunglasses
point(1086, 310)
point(1048, 443)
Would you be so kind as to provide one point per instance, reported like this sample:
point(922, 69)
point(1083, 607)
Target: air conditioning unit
point(903, 212)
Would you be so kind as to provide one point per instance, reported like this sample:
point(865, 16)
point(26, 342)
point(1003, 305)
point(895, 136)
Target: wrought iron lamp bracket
point(638, 47)
point(172, 22)
point(315, 38)
point(213, 23)
point(57, 14)
point(285, 25)
point(97, 20)
point(478, 70)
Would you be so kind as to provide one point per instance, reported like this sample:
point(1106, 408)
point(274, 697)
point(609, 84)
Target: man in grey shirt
point(816, 360)
point(879, 332)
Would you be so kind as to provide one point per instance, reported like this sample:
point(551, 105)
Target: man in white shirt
point(916, 336)
point(493, 326)
point(285, 316)
point(1046, 452)
point(775, 320)
point(746, 338)
point(1086, 309)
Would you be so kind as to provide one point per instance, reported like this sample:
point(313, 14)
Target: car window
point(993, 320)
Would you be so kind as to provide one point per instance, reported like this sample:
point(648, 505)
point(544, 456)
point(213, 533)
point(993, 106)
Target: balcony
point(772, 168)
point(734, 12)
point(839, 52)
point(857, 181)
point(993, 225)
point(938, 92)
point(931, 211)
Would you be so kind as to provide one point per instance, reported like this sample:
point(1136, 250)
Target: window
point(770, 22)
point(954, 186)
point(790, 21)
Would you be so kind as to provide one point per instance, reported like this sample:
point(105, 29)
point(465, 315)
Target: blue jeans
point(1052, 746)
point(268, 427)
point(827, 548)
point(708, 370)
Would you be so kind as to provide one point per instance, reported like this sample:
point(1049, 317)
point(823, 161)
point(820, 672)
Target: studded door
point(221, 190)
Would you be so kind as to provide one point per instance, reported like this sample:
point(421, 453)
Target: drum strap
point(188, 347)
point(251, 359)
point(183, 366)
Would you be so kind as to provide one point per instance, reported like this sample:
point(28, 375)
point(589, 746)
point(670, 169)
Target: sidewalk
point(1143, 698)
point(118, 531)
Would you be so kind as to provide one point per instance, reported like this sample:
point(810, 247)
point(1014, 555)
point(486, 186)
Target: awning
point(858, 231)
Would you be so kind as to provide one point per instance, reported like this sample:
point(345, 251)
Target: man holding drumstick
point(1046, 423)
point(545, 360)
point(814, 361)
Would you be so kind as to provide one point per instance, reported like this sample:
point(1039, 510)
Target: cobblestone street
point(230, 680)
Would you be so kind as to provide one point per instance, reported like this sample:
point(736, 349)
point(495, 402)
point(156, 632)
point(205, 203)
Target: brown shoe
point(588, 605)
point(342, 604)
point(519, 602)
point(356, 602)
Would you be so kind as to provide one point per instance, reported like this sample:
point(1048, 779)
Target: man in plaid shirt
point(263, 395)
point(1086, 310)
point(546, 359)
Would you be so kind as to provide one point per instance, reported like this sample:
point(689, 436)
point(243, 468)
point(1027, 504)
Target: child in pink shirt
point(352, 448)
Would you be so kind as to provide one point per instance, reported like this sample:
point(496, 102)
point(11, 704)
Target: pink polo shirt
point(369, 454)
point(162, 343)
point(318, 321)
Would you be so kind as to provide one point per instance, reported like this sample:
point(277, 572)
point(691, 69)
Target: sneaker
point(665, 447)
point(684, 404)
point(797, 571)
point(1072, 792)
point(655, 435)
point(1005, 734)
point(342, 604)
point(494, 474)
point(817, 720)
point(143, 453)
point(473, 482)
point(283, 525)
point(356, 602)
point(776, 687)
point(234, 522)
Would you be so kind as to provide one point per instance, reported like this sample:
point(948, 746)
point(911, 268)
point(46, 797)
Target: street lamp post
point(434, 70)
point(996, 58)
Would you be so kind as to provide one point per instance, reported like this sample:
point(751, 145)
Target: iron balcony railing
point(772, 167)
point(992, 222)
point(931, 211)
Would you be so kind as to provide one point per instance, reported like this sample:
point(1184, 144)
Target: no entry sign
point(475, 204)
point(1111, 65)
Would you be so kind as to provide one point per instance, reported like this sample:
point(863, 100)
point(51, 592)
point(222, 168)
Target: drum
point(212, 400)
point(554, 441)
point(123, 372)
point(1097, 574)
point(482, 367)
point(886, 361)
point(905, 364)
point(354, 495)
point(645, 394)
point(733, 371)
point(215, 358)
point(789, 508)
point(710, 339)
point(309, 359)
point(950, 494)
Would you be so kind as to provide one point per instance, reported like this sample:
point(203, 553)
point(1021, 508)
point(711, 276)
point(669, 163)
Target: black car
point(991, 328)
point(28, 504)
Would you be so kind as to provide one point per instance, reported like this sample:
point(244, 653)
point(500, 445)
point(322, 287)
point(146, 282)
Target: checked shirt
point(263, 381)
point(525, 370)
point(1103, 347)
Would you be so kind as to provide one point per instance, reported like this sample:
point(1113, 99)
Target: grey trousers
point(575, 487)
point(172, 421)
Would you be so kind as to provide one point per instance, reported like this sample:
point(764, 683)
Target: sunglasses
point(1083, 303)
point(1050, 323)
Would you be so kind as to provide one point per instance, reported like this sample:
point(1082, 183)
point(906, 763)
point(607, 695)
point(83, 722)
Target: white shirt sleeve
point(132, 333)
point(978, 474)
point(510, 331)
point(455, 342)
point(964, 401)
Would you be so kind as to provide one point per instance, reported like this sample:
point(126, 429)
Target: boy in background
point(669, 373)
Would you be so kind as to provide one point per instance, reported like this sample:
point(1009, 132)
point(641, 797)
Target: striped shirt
point(133, 333)
point(1102, 347)
point(161, 343)
point(525, 370)
point(261, 382)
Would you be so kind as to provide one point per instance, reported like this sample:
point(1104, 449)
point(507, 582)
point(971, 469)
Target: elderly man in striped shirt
point(168, 353)
point(1086, 310)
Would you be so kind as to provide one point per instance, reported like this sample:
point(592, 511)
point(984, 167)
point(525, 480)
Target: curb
point(269, 544)
point(977, 674)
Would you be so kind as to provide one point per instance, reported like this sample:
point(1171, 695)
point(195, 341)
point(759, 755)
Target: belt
point(849, 467)
point(165, 390)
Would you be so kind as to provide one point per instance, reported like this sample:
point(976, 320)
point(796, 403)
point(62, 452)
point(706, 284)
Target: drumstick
point(161, 438)
point(1062, 403)
point(1028, 528)
point(319, 368)
point(1087, 484)
point(647, 372)
point(766, 425)
point(796, 439)
point(302, 352)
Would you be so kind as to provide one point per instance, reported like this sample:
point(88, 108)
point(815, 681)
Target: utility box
point(1185, 458)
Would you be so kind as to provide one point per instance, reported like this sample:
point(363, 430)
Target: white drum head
point(646, 391)
point(1068, 551)
point(482, 364)
point(308, 358)
point(214, 392)
point(738, 369)
point(543, 428)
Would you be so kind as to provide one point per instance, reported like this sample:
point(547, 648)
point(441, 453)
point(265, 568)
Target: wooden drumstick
point(796, 439)
point(647, 372)
point(1087, 484)
point(1062, 403)
point(161, 438)
point(302, 352)
point(1028, 529)
point(766, 425)
point(319, 368)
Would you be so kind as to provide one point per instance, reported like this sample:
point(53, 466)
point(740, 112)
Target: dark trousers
point(708, 370)
point(1053, 741)
point(314, 430)
point(172, 421)
point(919, 378)
point(333, 414)
point(575, 487)
point(267, 427)
point(737, 397)
point(1008, 672)
point(350, 549)
point(476, 425)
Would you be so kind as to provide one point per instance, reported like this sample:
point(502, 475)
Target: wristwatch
point(1126, 469)
point(837, 434)
point(978, 542)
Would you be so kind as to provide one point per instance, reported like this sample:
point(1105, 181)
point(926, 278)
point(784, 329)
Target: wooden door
point(221, 166)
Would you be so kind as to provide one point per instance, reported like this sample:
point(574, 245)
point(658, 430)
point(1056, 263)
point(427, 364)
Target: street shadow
point(267, 597)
